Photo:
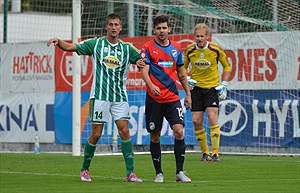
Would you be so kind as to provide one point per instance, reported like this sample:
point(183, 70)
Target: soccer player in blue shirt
point(164, 64)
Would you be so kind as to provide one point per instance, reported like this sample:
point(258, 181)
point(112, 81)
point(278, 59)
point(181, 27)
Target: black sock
point(179, 151)
point(156, 156)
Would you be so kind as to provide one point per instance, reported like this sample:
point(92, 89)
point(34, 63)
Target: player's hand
point(53, 40)
point(155, 90)
point(187, 102)
point(140, 63)
point(191, 82)
point(222, 90)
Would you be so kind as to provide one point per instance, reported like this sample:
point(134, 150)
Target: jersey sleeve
point(180, 58)
point(224, 61)
point(186, 59)
point(134, 54)
point(86, 47)
point(145, 54)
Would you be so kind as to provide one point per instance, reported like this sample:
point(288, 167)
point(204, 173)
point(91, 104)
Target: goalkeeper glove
point(222, 90)
point(191, 82)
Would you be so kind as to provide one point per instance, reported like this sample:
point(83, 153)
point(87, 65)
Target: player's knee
point(94, 138)
point(155, 137)
point(197, 125)
point(178, 134)
point(124, 133)
point(197, 122)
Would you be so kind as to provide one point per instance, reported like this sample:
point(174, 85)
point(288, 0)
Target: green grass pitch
point(55, 173)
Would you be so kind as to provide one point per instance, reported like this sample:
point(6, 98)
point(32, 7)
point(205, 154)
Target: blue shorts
point(156, 112)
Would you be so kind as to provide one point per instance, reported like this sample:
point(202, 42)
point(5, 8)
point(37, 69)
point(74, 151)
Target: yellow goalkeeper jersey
point(204, 64)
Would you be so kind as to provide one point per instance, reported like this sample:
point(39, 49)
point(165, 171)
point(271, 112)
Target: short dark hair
point(161, 19)
point(113, 16)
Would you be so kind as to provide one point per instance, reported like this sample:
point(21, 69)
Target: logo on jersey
point(202, 55)
point(105, 50)
point(202, 64)
point(143, 55)
point(151, 126)
point(111, 62)
point(174, 53)
point(166, 64)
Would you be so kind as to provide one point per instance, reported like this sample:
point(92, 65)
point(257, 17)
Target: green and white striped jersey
point(110, 67)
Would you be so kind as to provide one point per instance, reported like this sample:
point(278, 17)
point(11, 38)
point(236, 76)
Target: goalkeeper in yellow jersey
point(201, 61)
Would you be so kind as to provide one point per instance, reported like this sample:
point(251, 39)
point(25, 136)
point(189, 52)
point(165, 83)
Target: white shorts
point(100, 111)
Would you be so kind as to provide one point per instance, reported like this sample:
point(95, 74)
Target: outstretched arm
point(70, 47)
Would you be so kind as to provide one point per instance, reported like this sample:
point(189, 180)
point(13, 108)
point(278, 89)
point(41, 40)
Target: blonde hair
point(202, 26)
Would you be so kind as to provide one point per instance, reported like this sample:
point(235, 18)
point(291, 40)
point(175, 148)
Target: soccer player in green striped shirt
point(111, 59)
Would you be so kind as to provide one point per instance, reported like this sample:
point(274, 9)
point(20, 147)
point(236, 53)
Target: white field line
point(167, 152)
point(146, 180)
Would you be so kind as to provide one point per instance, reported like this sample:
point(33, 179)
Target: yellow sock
point(201, 138)
point(215, 139)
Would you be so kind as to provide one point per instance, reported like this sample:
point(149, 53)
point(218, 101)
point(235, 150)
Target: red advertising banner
point(259, 63)
point(64, 70)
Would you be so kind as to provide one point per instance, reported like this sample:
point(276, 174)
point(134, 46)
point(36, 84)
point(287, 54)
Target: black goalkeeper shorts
point(203, 98)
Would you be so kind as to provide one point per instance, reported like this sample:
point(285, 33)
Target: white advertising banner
point(268, 60)
point(23, 115)
point(27, 67)
point(27, 92)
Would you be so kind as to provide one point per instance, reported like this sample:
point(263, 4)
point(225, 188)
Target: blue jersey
point(163, 61)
